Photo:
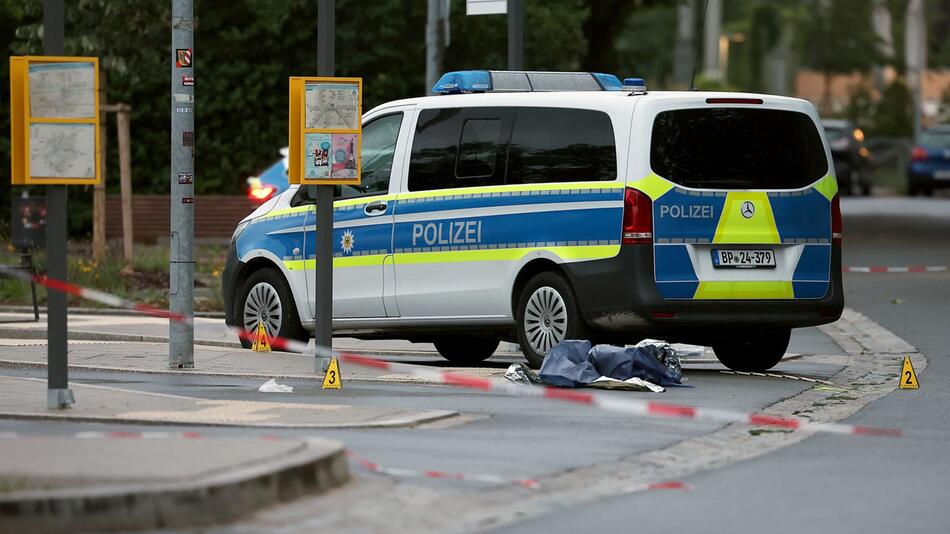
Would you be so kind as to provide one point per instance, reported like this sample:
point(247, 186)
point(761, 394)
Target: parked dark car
point(929, 166)
point(850, 155)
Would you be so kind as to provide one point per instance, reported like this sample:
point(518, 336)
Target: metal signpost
point(515, 35)
point(515, 11)
point(181, 258)
point(54, 141)
point(325, 138)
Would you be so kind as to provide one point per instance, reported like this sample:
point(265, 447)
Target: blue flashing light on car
point(485, 81)
point(636, 85)
point(608, 81)
point(463, 81)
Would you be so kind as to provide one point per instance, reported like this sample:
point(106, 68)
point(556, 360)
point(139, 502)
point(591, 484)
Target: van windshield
point(737, 148)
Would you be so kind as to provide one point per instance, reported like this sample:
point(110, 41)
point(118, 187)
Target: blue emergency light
point(488, 81)
point(636, 85)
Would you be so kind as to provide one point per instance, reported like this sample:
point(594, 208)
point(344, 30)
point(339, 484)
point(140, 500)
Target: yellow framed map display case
point(54, 120)
point(326, 130)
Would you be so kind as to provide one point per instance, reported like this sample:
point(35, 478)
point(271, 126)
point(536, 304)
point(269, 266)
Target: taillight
point(261, 192)
point(918, 154)
point(836, 220)
point(637, 218)
point(733, 100)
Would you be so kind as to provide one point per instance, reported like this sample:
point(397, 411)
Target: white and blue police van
point(534, 207)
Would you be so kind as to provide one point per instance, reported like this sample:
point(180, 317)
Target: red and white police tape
point(604, 402)
point(419, 473)
point(903, 269)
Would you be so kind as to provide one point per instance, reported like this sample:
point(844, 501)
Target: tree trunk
point(99, 190)
point(125, 181)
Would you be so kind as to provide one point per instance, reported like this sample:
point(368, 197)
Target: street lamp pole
point(181, 257)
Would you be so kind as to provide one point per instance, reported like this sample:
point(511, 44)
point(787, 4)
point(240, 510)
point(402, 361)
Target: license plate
point(743, 258)
point(942, 175)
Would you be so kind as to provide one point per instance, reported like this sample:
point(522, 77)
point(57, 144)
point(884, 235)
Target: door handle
point(375, 208)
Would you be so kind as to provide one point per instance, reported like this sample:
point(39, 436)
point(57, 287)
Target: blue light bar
point(636, 85)
point(463, 81)
point(608, 81)
point(483, 81)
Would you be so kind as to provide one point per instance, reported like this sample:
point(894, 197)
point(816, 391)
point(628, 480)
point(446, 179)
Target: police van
point(534, 207)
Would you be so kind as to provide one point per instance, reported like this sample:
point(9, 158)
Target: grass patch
point(144, 281)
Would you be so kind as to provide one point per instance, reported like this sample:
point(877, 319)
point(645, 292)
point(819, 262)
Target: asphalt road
point(831, 483)
point(823, 483)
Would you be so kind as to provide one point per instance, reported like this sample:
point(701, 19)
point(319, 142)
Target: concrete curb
point(215, 499)
point(406, 421)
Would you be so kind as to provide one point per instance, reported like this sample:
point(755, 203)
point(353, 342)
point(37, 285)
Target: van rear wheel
point(753, 353)
point(547, 314)
point(466, 350)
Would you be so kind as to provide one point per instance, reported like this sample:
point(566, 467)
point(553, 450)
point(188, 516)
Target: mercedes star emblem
point(748, 209)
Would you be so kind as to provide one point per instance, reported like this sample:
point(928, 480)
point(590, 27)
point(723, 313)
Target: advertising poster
point(344, 155)
point(317, 155)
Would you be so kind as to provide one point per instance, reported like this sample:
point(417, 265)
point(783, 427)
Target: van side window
point(478, 148)
point(561, 145)
point(459, 147)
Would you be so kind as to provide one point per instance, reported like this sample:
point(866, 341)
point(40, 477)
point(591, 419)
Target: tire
point(466, 350)
point(279, 311)
point(753, 353)
point(546, 314)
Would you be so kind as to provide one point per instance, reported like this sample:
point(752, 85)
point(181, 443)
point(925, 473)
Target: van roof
point(596, 99)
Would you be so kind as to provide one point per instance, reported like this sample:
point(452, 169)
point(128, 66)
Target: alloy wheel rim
point(545, 319)
point(262, 305)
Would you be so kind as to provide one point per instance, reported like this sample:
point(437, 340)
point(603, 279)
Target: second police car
point(535, 207)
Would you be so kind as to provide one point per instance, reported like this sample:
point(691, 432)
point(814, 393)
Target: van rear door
point(742, 202)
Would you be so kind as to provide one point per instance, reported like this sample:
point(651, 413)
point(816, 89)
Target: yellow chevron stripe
point(735, 228)
point(827, 186)
point(745, 290)
point(653, 185)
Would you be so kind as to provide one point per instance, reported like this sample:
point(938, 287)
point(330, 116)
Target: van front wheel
point(753, 353)
point(547, 314)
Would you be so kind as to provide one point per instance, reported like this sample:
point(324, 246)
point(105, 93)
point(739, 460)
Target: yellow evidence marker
point(333, 380)
point(261, 343)
point(908, 375)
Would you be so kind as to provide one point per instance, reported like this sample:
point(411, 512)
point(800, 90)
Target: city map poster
point(317, 155)
point(54, 116)
point(63, 150)
point(63, 90)
point(332, 106)
point(344, 156)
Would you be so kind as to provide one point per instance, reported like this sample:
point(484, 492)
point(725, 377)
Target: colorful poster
point(344, 156)
point(316, 162)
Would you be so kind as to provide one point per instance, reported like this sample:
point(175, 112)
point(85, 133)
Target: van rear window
point(737, 148)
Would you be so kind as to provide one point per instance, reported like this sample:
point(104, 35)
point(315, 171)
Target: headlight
point(239, 230)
